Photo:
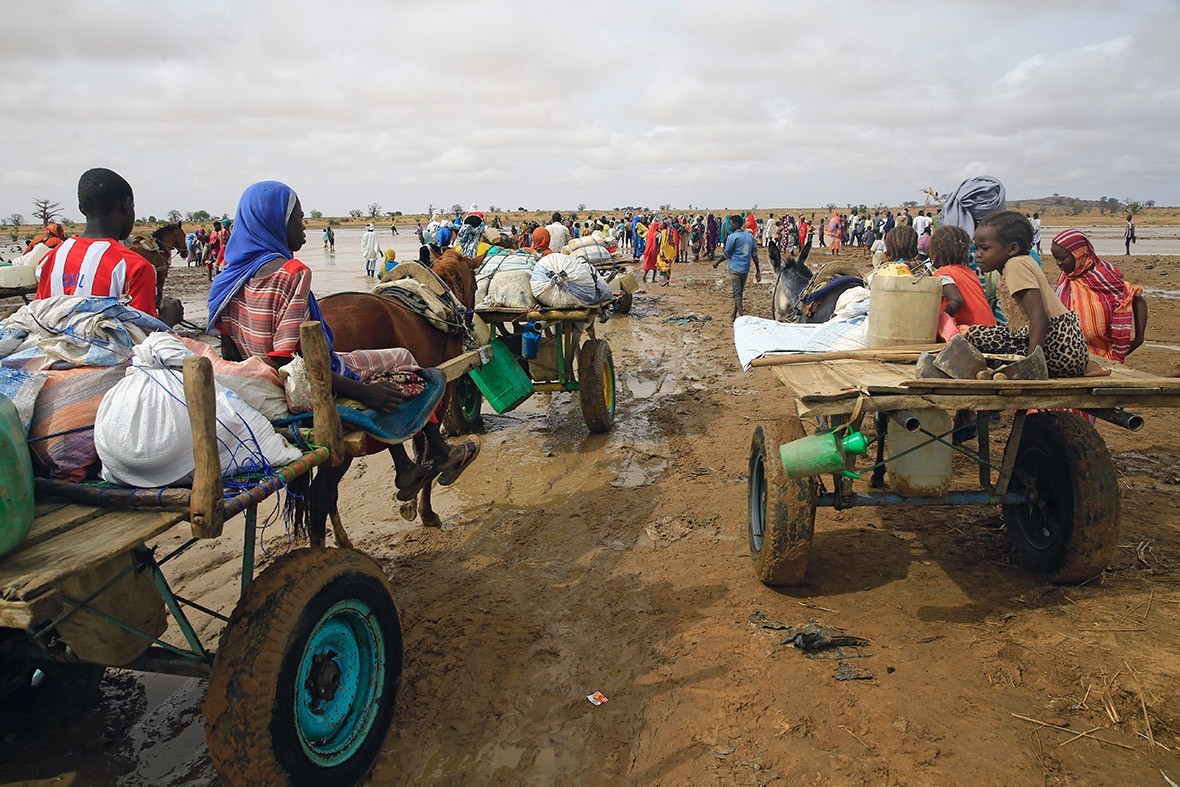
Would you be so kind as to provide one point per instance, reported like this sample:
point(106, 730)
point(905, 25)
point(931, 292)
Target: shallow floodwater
point(339, 270)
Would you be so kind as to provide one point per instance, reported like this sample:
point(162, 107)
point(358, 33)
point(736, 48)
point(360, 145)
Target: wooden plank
point(462, 364)
point(29, 614)
point(815, 382)
point(909, 353)
point(57, 521)
point(876, 377)
point(45, 504)
point(33, 568)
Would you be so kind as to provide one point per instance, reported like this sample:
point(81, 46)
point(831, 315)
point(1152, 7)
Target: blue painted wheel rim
point(340, 682)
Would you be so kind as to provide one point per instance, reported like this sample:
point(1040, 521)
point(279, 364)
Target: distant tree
point(1134, 208)
point(151, 219)
point(910, 203)
point(317, 214)
point(1148, 204)
point(581, 206)
point(46, 210)
point(831, 206)
point(880, 206)
point(174, 216)
point(1076, 206)
point(430, 209)
point(374, 210)
point(356, 213)
point(457, 209)
point(16, 219)
point(492, 208)
point(666, 207)
point(520, 208)
point(200, 215)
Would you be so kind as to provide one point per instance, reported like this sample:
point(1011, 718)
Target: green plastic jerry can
point(16, 479)
point(821, 453)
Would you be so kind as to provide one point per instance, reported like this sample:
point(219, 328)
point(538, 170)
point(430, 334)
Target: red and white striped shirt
point(98, 266)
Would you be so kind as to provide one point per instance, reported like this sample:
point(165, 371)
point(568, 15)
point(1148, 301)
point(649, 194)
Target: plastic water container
point(927, 471)
point(530, 341)
point(16, 479)
point(903, 310)
point(502, 382)
point(821, 453)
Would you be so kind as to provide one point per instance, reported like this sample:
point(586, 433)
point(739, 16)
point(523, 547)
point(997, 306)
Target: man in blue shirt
point(740, 250)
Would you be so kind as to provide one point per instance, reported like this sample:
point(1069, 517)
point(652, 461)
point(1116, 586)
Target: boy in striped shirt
point(95, 262)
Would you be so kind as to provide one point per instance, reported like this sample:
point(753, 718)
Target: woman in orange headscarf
point(1113, 313)
point(541, 240)
point(52, 236)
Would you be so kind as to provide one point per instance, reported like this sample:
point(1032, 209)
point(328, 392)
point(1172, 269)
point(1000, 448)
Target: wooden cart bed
point(833, 387)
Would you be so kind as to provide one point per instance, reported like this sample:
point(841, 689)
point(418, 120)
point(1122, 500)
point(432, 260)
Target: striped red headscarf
point(1097, 292)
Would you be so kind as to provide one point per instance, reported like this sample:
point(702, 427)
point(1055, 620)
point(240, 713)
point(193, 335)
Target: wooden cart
point(566, 335)
point(1055, 481)
point(303, 682)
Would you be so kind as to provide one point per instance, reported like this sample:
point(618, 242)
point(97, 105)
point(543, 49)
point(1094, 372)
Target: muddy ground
point(571, 563)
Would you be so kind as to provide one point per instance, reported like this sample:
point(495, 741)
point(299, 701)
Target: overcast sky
point(609, 103)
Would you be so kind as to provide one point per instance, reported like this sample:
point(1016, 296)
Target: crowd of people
point(995, 288)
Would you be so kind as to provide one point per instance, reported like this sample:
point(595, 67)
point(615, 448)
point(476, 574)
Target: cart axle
point(960, 498)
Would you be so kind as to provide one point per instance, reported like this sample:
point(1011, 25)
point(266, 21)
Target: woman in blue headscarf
point(263, 295)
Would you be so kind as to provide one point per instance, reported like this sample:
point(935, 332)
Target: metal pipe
point(1118, 417)
point(956, 498)
point(165, 661)
point(906, 420)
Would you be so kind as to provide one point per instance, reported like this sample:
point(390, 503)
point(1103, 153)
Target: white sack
point(142, 430)
point(563, 282)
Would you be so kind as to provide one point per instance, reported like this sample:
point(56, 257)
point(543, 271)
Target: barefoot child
point(1002, 243)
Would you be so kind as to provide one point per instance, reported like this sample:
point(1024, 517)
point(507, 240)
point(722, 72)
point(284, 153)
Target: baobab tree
point(46, 210)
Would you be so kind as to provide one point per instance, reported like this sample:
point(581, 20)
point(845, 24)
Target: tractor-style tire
point(622, 304)
point(596, 385)
point(463, 412)
point(305, 680)
point(1069, 528)
point(781, 509)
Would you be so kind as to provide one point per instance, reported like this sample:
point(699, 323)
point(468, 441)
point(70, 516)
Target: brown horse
point(362, 321)
point(157, 247)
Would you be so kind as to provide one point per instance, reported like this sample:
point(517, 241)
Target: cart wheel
point(1069, 527)
point(41, 696)
point(782, 510)
point(305, 680)
point(596, 384)
point(463, 414)
point(623, 303)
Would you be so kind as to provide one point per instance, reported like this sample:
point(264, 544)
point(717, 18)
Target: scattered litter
point(813, 637)
point(845, 671)
point(763, 622)
point(687, 318)
point(597, 698)
point(723, 751)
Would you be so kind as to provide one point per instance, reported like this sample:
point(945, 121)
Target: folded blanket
point(67, 331)
point(393, 427)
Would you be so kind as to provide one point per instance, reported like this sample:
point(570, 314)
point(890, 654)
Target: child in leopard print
point(1002, 243)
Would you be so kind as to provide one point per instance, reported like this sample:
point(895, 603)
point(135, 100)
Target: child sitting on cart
point(1002, 243)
